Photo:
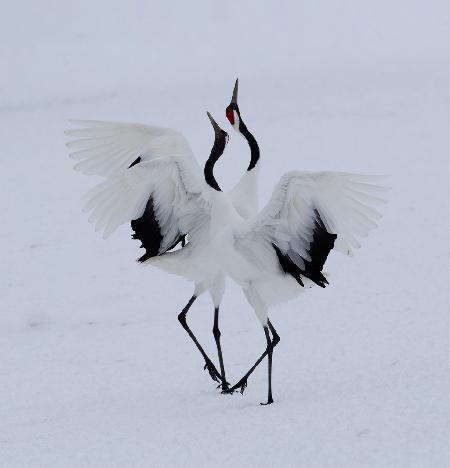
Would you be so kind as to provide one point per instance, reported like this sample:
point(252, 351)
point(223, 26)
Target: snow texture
point(95, 369)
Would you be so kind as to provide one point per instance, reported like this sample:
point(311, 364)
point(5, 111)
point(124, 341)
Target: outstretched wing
point(109, 148)
point(161, 199)
point(307, 216)
point(152, 181)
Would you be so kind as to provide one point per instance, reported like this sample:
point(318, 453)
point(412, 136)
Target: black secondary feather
point(148, 231)
point(319, 248)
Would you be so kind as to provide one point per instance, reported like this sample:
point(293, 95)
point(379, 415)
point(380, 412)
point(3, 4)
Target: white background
point(95, 370)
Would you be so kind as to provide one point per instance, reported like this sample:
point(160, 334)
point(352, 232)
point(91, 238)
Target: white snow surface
point(95, 370)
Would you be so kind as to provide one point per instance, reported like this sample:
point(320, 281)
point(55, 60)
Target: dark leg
point(268, 352)
point(208, 363)
point(269, 362)
point(216, 332)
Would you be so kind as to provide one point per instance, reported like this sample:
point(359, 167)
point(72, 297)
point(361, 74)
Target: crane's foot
point(241, 386)
point(225, 386)
point(269, 402)
point(228, 391)
point(213, 371)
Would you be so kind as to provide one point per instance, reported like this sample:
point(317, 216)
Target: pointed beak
point(235, 92)
point(213, 123)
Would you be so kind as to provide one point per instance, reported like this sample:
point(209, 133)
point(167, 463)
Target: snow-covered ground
point(95, 370)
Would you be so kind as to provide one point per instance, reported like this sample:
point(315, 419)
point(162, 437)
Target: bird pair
point(152, 180)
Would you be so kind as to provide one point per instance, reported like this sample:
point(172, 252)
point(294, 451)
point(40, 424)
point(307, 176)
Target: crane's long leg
point(216, 332)
point(213, 372)
point(269, 366)
point(271, 343)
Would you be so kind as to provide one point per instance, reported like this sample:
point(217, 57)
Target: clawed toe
point(212, 372)
point(225, 386)
point(241, 386)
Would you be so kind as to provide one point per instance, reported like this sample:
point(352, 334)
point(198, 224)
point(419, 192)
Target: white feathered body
point(216, 257)
point(211, 255)
point(308, 214)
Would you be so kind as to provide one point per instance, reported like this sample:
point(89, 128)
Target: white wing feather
point(346, 203)
point(175, 191)
point(167, 172)
point(109, 148)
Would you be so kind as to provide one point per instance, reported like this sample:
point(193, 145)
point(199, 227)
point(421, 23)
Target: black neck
point(254, 148)
point(216, 152)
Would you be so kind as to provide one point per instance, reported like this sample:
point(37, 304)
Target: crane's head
point(221, 136)
point(232, 111)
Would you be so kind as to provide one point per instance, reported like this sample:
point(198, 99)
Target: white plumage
point(346, 203)
point(273, 255)
point(243, 249)
point(108, 148)
point(164, 170)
